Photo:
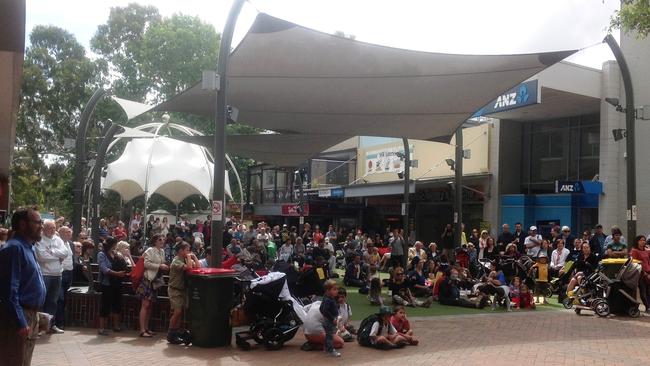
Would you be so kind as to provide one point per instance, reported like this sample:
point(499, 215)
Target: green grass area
point(361, 306)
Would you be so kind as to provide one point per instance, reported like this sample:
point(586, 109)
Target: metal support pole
point(458, 191)
point(81, 161)
point(407, 178)
point(216, 236)
point(301, 204)
point(97, 178)
point(631, 136)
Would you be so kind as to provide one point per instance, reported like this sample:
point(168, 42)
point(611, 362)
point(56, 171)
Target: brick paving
point(531, 338)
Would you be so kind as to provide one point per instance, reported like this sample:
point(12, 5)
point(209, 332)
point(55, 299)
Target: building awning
point(291, 79)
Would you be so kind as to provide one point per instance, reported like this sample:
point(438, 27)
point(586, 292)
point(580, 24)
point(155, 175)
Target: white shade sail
point(171, 168)
point(290, 79)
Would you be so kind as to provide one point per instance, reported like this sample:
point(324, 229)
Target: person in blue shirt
point(22, 290)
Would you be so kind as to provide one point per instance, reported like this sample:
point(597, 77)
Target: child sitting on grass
point(526, 300)
point(402, 325)
point(515, 291)
point(344, 329)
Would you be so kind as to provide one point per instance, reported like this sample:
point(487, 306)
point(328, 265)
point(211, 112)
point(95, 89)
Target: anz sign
point(522, 95)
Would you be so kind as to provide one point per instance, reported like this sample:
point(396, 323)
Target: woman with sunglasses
point(154, 266)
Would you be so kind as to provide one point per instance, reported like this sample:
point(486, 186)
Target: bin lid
point(212, 272)
point(617, 261)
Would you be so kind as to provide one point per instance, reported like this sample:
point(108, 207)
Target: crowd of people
point(41, 260)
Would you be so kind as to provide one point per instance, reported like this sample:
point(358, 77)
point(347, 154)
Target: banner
point(386, 160)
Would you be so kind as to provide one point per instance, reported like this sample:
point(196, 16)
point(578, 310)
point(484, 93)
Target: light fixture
point(616, 103)
point(619, 134)
point(400, 175)
point(451, 163)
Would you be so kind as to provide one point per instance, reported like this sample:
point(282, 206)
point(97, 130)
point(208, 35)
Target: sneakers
point(333, 353)
point(55, 330)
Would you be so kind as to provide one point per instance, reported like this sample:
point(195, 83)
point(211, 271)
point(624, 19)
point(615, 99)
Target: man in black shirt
point(520, 238)
point(450, 293)
point(505, 238)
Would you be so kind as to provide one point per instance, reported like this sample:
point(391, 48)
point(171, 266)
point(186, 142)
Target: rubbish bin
point(210, 301)
point(611, 266)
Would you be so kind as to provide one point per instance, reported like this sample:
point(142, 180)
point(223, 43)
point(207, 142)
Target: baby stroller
point(275, 315)
point(621, 290)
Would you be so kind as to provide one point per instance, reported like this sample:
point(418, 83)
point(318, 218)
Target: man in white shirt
point(50, 253)
point(533, 242)
point(558, 257)
point(65, 233)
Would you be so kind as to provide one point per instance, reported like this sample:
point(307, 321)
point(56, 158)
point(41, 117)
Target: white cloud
point(459, 26)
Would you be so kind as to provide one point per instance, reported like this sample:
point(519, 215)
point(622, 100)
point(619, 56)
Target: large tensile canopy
point(171, 168)
point(291, 79)
point(275, 149)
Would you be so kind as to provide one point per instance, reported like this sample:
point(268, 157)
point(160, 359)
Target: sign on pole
point(217, 210)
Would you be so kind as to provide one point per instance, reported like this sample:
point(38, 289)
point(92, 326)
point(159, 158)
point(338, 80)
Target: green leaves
point(634, 16)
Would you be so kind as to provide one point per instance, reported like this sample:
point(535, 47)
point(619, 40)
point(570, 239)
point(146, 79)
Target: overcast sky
point(458, 26)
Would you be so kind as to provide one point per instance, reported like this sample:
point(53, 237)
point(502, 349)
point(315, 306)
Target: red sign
point(292, 209)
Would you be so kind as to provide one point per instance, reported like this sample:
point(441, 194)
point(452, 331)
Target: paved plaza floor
point(526, 338)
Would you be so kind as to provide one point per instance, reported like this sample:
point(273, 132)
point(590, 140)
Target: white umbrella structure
point(171, 168)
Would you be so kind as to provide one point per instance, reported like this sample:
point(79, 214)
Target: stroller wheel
point(273, 339)
point(257, 331)
point(568, 303)
point(634, 312)
point(548, 292)
point(601, 308)
point(578, 311)
point(245, 346)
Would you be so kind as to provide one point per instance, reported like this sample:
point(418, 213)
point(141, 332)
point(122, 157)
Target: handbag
point(137, 273)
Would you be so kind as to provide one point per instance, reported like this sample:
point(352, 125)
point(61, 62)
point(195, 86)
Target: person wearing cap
point(540, 271)
point(533, 242)
point(383, 334)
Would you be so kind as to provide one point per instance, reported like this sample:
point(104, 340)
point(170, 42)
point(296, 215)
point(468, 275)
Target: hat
point(284, 225)
point(542, 255)
point(385, 310)
point(533, 228)
point(566, 228)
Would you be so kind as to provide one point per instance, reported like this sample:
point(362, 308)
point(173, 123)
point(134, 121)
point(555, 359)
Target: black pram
point(275, 315)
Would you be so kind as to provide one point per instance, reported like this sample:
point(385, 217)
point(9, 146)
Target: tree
point(58, 78)
point(634, 16)
point(120, 43)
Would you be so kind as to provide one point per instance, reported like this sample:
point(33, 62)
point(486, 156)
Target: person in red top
point(318, 235)
point(402, 325)
point(639, 253)
point(119, 232)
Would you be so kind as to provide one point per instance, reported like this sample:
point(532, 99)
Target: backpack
point(137, 273)
point(363, 334)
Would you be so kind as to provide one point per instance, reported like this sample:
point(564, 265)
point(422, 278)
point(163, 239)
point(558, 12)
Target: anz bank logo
point(512, 99)
point(569, 188)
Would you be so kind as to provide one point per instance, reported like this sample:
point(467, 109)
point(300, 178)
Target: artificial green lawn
point(361, 306)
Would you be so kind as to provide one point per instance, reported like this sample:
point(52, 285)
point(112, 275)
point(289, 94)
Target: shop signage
point(386, 160)
point(337, 192)
point(293, 209)
point(569, 187)
point(522, 95)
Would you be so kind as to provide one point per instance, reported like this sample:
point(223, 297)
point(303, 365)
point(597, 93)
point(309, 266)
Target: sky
point(458, 26)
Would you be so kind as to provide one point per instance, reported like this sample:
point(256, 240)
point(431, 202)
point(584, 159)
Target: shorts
point(111, 301)
point(177, 298)
point(540, 288)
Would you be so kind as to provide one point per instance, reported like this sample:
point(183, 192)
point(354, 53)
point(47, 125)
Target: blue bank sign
point(522, 95)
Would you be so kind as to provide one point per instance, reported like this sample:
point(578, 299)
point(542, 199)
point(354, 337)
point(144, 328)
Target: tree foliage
point(634, 16)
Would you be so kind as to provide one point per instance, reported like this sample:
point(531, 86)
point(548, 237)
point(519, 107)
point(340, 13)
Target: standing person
point(506, 237)
point(397, 248)
point(65, 233)
point(329, 309)
point(597, 241)
point(520, 237)
point(176, 288)
point(50, 253)
point(149, 227)
point(567, 235)
point(639, 253)
point(164, 227)
point(448, 241)
point(112, 269)
point(154, 265)
point(22, 289)
point(533, 243)
point(4, 235)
